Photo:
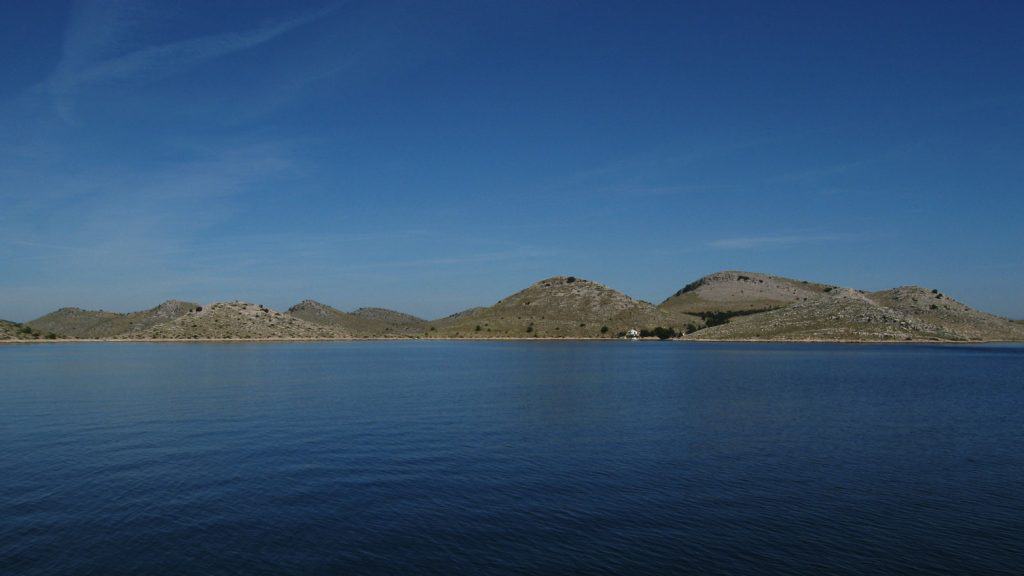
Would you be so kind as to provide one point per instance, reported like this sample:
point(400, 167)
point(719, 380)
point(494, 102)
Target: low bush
point(660, 333)
point(721, 317)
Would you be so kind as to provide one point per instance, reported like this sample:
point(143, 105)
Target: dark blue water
point(511, 458)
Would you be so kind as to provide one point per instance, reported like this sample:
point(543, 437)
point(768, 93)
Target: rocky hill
point(363, 323)
point(561, 306)
point(78, 323)
point(735, 291)
point(9, 330)
point(392, 318)
point(906, 313)
point(731, 305)
point(237, 320)
point(959, 321)
point(15, 331)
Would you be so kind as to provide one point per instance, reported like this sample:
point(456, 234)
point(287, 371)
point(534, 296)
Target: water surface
point(511, 458)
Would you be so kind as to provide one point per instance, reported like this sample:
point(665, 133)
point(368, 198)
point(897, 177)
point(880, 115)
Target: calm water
point(511, 458)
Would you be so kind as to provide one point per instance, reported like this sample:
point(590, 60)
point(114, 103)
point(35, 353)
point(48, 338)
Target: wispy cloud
point(91, 52)
point(777, 240)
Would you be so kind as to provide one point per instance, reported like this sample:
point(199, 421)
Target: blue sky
point(431, 156)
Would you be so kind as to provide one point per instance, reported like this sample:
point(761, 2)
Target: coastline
point(494, 339)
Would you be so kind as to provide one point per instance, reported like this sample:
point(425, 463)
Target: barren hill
point(391, 317)
point(8, 330)
point(561, 306)
point(363, 323)
point(906, 313)
point(237, 320)
point(947, 315)
point(730, 305)
point(735, 291)
point(15, 331)
point(78, 323)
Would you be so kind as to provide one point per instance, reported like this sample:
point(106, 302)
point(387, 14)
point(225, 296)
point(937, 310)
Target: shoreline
point(494, 339)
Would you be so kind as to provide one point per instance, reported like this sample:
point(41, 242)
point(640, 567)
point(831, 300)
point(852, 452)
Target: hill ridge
point(74, 322)
point(363, 323)
point(560, 306)
point(725, 305)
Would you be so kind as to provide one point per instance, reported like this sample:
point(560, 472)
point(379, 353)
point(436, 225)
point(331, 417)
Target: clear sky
point(432, 156)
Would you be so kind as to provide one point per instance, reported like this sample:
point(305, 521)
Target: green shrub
point(659, 332)
point(604, 329)
point(721, 317)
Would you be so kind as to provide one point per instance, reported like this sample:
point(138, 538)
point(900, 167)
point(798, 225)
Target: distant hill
point(237, 320)
point(15, 331)
point(8, 330)
point(734, 291)
point(391, 317)
point(561, 306)
point(363, 323)
point(729, 305)
point(78, 323)
point(905, 313)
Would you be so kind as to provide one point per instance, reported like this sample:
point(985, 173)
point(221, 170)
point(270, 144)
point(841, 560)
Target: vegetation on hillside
point(721, 306)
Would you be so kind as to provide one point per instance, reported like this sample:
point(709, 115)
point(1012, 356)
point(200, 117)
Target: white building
point(633, 334)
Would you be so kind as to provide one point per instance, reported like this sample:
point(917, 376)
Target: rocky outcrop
point(237, 320)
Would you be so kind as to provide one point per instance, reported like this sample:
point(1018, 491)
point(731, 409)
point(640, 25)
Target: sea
point(511, 457)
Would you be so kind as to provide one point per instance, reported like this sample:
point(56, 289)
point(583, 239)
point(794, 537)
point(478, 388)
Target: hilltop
point(362, 323)
point(905, 313)
point(78, 323)
point(237, 320)
point(561, 306)
point(742, 292)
